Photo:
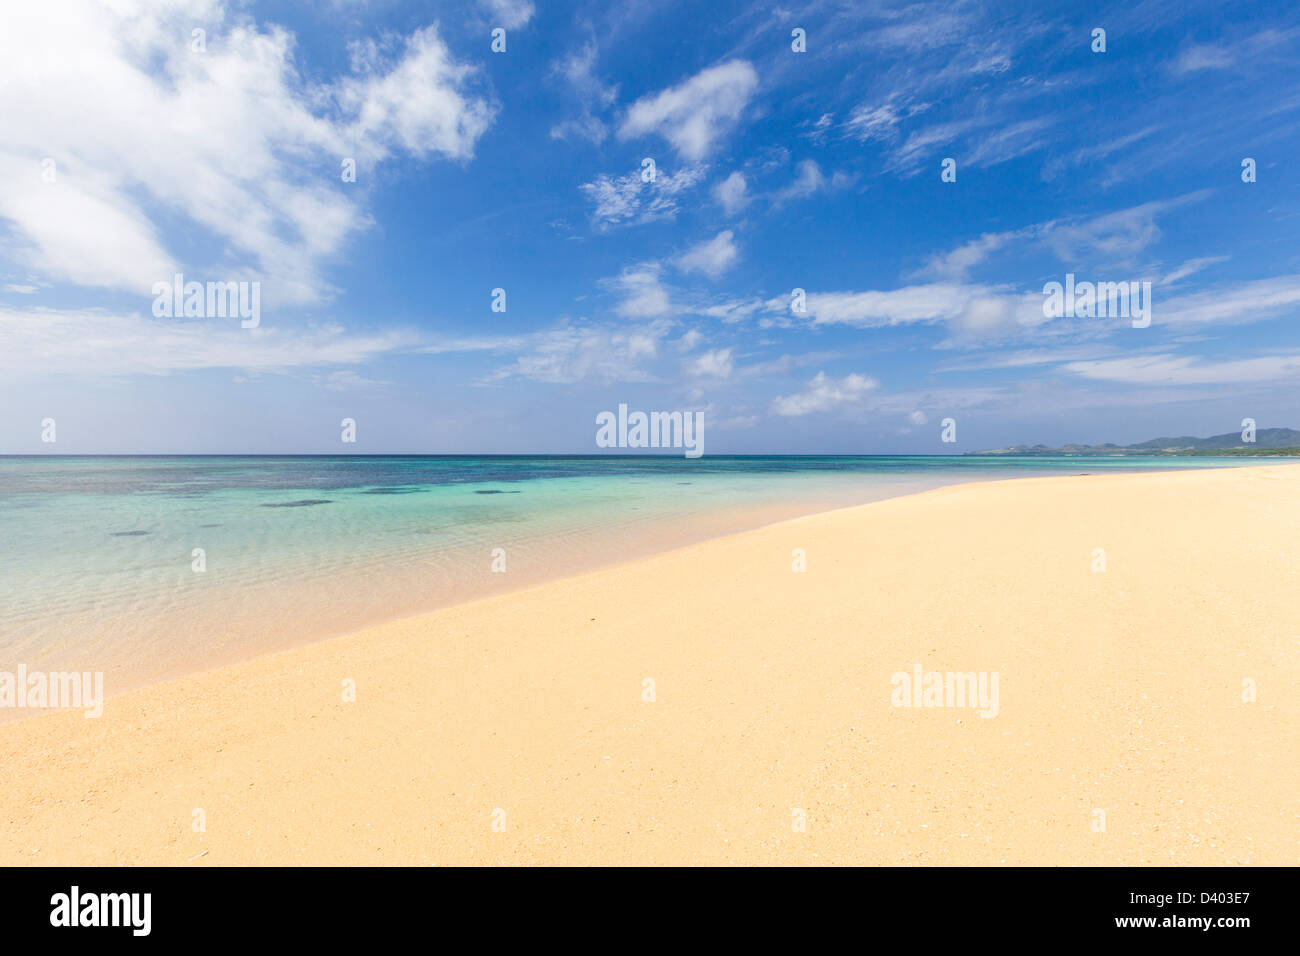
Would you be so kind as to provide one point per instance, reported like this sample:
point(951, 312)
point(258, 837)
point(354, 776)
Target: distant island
point(1269, 442)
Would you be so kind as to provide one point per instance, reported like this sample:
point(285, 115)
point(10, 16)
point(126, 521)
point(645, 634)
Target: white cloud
point(734, 310)
point(932, 302)
point(712, 364)
point(731, 194)
point(873, 122)
point(995, 141)
point(955, 264)
point(508, 13)
point(1243, 302)
point(825, 394)
point(345, 380)
point(1224, 55)
point(1096, 152)
point(711, 257)
point(642, 295)
point(1205, 56)
point(969, 310)
point(919, 147)
point(1191, 267)
point(984, 311)
point(1117, 236)
point(923, 29)
point(94, 342)
point(628, 199)
point(572, 353)
point(689, 340)
point(1009, 142)
point(1025, 358)
point(593, 96)
point(232, 140)
point(818, 128)
point(1170, 369)
point(695, 115)
point(807, 181)
point(419, 105)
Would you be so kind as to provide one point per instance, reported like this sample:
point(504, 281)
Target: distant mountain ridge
point(1268, 441)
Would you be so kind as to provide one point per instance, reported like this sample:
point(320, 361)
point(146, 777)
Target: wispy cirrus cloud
point(631, 199)
point(96, 343)
point(1172, 369)
point(1118, 236)
point(1233, 303)
point(1229, 53)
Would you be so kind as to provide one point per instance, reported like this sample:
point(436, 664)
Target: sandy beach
point(713, 705)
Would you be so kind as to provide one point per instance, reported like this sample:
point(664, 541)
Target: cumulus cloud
point(712, 364)
point(732, 193)
point(508, 13)
point(689, 340)
point(576, 352)
point(696, 114)
point(419, 105)
point(824, 394)
point(137, 128)
point(640, 292)
point(711, 257)
point(592, 95)
point(970, 311)
point(808, 181)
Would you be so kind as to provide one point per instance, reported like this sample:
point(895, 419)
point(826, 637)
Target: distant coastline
point(1268, 443)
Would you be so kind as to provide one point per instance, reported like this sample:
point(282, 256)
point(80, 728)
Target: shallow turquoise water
point(98, 553)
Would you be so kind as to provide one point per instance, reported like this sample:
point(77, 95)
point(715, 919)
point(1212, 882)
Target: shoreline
point(6, 717)
point(756, 518)
point(1120, 692)
point(633, 545)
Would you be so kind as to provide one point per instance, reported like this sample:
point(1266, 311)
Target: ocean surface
point(101, 571)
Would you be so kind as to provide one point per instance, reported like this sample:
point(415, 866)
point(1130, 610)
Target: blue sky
point(522, 170)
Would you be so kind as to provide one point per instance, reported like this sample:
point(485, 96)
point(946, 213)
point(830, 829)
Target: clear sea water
point(96, 555)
